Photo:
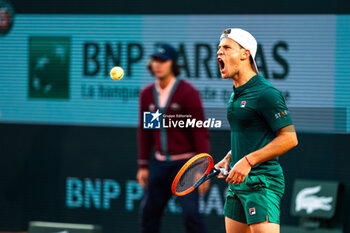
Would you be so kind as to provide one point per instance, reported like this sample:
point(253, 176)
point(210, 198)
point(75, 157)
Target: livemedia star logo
point(151, 120)
point(49, 67)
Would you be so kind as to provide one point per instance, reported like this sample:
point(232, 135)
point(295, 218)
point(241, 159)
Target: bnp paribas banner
point(54, 69)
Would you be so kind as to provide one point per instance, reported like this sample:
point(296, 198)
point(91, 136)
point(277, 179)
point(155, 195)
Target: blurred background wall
point(68, 132)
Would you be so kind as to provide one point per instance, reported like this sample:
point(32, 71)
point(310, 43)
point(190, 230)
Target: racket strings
point(192, 174)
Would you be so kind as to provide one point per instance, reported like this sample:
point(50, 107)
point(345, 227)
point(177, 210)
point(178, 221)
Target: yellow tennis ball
point(117, 73)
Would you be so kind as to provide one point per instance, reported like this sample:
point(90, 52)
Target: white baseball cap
point(245, 39)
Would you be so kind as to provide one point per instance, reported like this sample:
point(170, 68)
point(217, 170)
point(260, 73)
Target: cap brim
point(160, 55)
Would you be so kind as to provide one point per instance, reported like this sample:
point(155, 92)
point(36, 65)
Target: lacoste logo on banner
point(306, 199)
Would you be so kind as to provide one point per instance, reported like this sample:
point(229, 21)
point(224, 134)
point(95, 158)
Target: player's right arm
point(224, 163)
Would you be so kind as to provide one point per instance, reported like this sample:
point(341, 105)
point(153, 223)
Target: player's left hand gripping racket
point(195, 172)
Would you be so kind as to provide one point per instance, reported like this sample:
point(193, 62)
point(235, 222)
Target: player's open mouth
point(221, 63)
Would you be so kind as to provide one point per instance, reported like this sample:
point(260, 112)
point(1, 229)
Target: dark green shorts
point(257, 199)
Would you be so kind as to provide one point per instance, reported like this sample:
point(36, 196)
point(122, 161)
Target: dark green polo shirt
point(256, 110)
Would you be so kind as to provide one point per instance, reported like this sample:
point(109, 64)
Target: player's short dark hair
point(174, 67)
point(251, 61)
point(227, 31)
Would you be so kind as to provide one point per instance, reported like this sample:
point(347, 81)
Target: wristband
point(248, 161)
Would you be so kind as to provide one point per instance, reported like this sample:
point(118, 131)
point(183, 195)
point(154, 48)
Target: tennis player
point(172, 96)
point(261, 130)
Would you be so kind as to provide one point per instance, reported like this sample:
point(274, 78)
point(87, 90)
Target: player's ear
point(245, 54)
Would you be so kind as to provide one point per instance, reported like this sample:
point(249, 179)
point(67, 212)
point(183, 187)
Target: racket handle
point(221, 171)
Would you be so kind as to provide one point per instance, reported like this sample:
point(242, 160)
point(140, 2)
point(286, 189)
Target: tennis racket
point(195, 172)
